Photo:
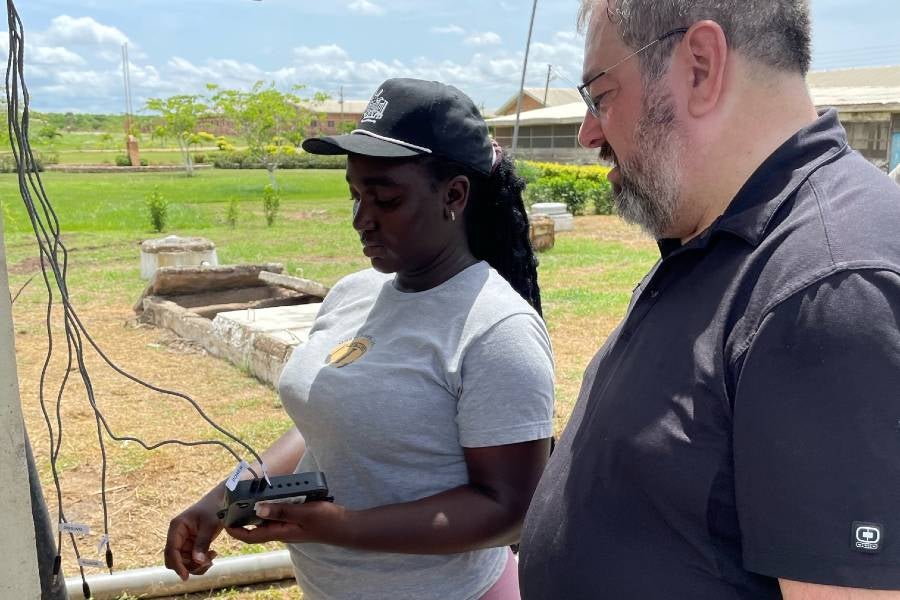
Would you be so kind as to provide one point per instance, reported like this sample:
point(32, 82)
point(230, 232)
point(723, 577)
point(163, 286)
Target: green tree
point(180, 116)
point(272, 122)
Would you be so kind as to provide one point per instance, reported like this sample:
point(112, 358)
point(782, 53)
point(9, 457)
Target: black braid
point(496, 222)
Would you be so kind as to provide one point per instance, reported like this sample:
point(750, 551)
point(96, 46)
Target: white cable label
point(74, 528)
point(235, 476)
point(90, 562)
point(104, 542)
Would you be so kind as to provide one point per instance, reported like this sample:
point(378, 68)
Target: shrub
point(199, 159)
point(231, 217)
point(271, 203)
point(562, 188)
point(144, 162)
point(122, 160)
point(528, 171)
point(241, 159)
point(575, 185)
point(8, 163)
point(158, 208)
point(604, 203)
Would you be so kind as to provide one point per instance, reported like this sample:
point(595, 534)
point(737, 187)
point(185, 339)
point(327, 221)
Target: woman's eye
point(387, 201)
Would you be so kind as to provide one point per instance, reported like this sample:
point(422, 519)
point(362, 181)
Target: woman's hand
point(190, 535)
point(317, 522)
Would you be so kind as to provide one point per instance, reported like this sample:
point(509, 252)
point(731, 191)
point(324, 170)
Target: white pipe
point(154, 582)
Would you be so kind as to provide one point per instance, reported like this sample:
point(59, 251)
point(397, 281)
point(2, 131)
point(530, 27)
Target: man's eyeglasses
point(583, 88)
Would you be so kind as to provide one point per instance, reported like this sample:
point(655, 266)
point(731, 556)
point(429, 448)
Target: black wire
point(52, 252)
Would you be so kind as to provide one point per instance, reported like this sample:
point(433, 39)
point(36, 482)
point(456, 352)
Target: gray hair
point(775, 33)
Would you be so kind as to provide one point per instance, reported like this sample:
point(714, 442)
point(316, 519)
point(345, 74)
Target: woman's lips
point(373, 250)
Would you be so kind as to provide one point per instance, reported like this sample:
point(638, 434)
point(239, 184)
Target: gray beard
point(649, 195)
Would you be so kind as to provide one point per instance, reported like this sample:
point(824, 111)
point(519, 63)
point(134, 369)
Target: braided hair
point(496, 222)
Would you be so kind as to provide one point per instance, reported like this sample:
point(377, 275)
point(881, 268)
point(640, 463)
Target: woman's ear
point(457, 194)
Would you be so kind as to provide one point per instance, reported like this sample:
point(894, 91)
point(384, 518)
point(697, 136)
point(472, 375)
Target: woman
point(425, 390)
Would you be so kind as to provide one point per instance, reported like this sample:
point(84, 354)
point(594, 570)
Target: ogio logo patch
point(867, 537)
point(348, 352)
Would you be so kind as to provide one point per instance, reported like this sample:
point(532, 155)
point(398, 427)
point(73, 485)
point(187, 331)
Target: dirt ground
point(145, 490)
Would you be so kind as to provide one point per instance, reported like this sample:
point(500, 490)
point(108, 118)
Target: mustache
point(607, 154)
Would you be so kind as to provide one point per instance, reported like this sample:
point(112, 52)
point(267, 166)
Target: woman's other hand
point(190, 535)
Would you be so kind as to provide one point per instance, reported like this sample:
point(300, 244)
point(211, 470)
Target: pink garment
point(507, 587)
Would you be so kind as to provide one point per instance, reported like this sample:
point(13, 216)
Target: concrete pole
point(19, 567)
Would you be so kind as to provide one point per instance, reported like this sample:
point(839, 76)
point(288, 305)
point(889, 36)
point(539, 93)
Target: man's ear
point(704, 53)
point(456, 197)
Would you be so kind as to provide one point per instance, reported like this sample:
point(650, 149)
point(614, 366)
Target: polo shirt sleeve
point(506, 395)
point(817, 435)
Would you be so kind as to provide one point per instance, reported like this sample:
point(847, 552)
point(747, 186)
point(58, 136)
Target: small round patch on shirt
point(348, 353)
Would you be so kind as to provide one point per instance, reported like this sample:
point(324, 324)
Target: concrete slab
point(288, 324)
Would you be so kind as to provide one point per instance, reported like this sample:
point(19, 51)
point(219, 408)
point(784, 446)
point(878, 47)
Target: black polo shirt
point(742, 424)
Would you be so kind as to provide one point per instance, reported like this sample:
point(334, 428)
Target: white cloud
point(82, 30)
point(43, 55)
point(330, 52)
point(488, 38)
point(365, 7)
point(567, 36)
point(448, 29)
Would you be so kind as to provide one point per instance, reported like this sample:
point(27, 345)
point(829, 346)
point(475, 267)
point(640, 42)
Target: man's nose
point(591, 133)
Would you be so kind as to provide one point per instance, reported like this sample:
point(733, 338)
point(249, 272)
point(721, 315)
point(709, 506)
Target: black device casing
point(299, 487)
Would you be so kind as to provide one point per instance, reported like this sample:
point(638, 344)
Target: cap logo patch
point(375, 109)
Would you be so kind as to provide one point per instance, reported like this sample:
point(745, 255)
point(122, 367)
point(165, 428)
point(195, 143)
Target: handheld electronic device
point(297, 488)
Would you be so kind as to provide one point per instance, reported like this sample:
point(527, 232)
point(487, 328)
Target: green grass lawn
point(586, 279)
point(586, 282)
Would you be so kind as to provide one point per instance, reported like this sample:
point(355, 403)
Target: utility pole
point(341, 123)
point(547, 85)
point(515, 141)
point(19, 568)
point(126, 79)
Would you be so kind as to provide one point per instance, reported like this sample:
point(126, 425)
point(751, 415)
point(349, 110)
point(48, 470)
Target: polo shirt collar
point(749, 214)
point(777, 178)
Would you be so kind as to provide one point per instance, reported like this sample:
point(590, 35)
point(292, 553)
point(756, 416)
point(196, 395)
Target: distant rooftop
point(866, 88)
point(883, 77)
point(334, 106)
point(556, 96)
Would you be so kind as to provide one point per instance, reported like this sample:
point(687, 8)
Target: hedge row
point(241, 159)
point(579, 187)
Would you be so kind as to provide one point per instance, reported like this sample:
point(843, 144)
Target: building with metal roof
point(537, 98)
point(867, 100)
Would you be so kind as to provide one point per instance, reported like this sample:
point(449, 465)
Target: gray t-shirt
point(387, 392)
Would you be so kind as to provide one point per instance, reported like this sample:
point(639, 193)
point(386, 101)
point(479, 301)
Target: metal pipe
point(154, 582)
point(515, 140)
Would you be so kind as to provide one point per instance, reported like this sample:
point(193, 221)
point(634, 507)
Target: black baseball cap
point(412, 117)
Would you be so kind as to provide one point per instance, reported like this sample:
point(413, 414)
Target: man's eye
point(599, 98)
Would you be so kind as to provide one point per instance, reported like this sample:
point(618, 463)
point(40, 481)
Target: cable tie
point(235, 476)
point(91, 562)
point(265, 473)
point(104, 543)
point(74, 528)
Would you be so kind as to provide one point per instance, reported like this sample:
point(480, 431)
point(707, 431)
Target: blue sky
point(73, 59)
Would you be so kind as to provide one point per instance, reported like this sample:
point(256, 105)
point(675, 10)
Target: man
point(738, 436)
